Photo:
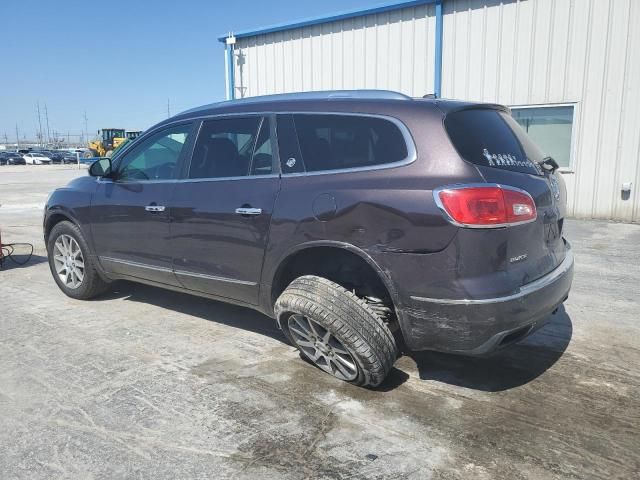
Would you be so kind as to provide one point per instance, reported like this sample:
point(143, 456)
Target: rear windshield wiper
point(549, 164)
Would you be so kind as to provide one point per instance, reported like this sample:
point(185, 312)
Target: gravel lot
point(146, 383)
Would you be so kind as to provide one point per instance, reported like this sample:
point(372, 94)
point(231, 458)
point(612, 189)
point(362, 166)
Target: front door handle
point(154, 208)
point(248, 211)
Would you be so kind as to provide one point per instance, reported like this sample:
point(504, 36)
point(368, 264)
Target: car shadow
point(204, 308)
point(511, 367)
point(19, 260)
point(508, 368)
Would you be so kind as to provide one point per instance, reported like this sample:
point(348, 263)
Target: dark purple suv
point(365, 223)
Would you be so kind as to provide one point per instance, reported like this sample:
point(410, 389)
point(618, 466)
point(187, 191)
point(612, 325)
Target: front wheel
point(70, 264)
point(336, 331)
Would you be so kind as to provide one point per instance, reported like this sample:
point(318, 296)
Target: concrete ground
point(146, 383)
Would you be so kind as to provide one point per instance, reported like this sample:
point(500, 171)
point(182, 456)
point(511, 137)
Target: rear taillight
point(485, 206)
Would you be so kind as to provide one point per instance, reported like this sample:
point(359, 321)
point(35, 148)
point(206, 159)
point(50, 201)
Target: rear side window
point(491, 138)
point(333, 142)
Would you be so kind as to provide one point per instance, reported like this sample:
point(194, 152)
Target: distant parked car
point(69, 157)
point(47, 153)
point(36, 158)
point(11, 158)
point(62, 156)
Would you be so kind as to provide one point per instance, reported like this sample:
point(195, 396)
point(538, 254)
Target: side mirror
point(101, 168)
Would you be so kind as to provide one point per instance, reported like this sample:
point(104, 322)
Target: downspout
point(438, 66)
point(228, 63)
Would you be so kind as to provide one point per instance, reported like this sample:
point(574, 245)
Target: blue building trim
point(231, 86)
point(437, 81)
point(385, 7)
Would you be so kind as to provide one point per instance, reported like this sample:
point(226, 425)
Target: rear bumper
point(479, 326)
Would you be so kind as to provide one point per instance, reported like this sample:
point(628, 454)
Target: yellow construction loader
point(112, 138)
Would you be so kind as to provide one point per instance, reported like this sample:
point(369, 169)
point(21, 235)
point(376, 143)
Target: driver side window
point(156, 158)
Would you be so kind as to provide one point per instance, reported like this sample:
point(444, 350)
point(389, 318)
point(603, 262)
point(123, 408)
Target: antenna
point(168, 108)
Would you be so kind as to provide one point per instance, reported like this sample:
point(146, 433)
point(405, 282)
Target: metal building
point(570, 70)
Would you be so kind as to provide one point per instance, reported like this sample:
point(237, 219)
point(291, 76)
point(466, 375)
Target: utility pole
point(168, 109)
point(46, 116)
point(86, 128)
point(17, 138)
point(39, 123)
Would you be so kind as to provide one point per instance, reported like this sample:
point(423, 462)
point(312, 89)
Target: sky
point(121, 61)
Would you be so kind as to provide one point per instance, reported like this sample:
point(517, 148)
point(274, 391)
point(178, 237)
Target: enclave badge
point(519, 258)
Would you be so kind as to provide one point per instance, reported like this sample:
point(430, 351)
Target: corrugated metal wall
point(584, 52)
point(392, 50)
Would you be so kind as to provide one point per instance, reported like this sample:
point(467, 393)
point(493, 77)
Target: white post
point(78, 159)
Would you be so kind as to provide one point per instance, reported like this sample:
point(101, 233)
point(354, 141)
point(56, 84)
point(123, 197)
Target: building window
point(551, 128)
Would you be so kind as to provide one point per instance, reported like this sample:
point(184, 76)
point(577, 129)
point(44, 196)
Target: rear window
point(333, 142)
point(492, 138)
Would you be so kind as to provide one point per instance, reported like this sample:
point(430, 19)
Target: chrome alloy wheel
point(68, 261)
point(322, 348)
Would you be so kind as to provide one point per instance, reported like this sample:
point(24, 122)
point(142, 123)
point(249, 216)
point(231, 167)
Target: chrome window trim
point(192, 180)
point(547, 280)
point(404, 130)
point(458, 186)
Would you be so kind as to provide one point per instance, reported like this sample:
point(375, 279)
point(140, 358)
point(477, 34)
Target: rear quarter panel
point(381, 212)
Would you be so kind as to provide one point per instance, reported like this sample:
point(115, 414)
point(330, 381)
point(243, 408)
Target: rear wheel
point(337, 331)
point(71, 266)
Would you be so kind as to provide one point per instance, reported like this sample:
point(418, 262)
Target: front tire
point(337, 331)
point(72, 267)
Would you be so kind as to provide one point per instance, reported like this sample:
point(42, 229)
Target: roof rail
point(365, 94)
point(326, 95)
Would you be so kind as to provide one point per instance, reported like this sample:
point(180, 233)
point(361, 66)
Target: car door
point(221, 212)
point(130, 213)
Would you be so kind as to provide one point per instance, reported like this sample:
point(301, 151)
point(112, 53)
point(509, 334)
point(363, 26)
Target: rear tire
point(336, 330)
point(71, 265)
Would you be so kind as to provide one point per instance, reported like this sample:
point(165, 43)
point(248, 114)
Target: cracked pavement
point(147, 383)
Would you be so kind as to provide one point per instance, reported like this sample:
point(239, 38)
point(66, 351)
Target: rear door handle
point(248, 211)
point(154, 208)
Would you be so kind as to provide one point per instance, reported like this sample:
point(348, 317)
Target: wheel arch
point(303, 260)
point(54, 217)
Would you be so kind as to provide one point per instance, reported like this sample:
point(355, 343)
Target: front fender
point(72, 203)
